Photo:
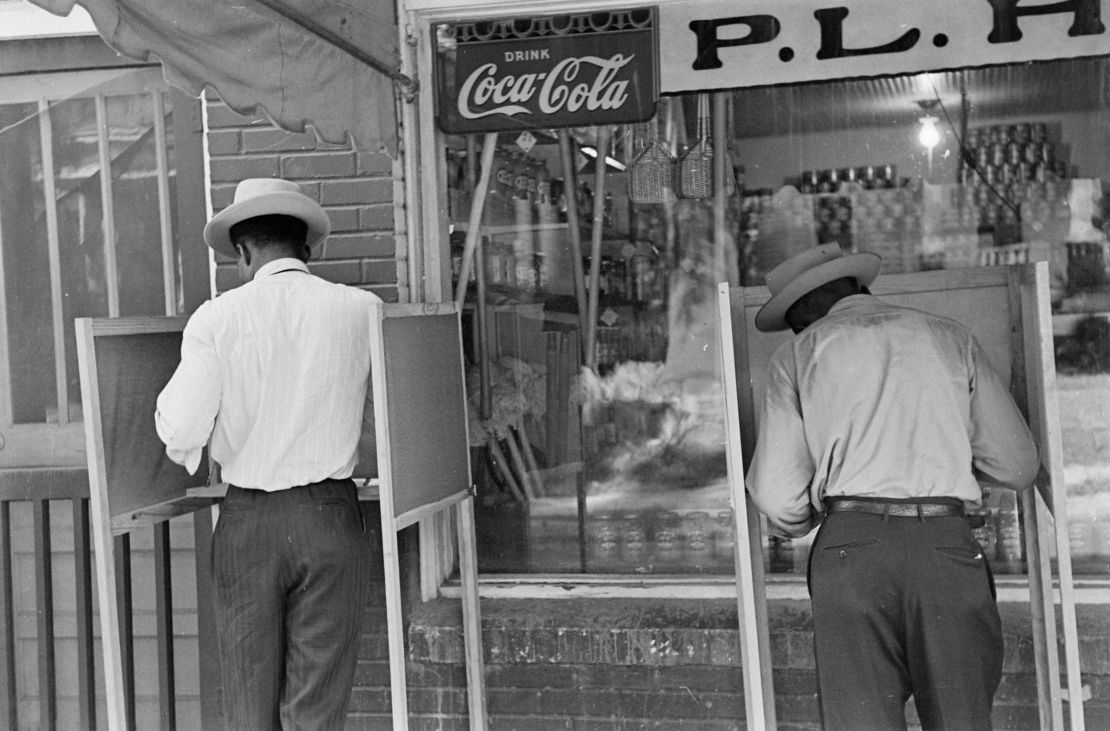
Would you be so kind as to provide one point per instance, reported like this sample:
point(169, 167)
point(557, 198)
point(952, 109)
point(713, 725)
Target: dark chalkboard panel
point(131, 372)
point(425, 406)
point(125, 363)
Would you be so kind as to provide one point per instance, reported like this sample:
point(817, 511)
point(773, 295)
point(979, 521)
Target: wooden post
point(603, 134)
point(481, 312)
point(751, 597)
point(472, 617)
point(474, 223)
point(720, 180)
point(574, 232)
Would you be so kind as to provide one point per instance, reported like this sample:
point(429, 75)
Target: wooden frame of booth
point(414, 460)
point(1007, 309)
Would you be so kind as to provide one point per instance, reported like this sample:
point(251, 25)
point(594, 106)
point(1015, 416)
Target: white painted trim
point(779, 588)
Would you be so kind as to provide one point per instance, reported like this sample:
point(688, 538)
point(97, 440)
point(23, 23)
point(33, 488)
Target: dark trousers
point(291, 575)
point(903, 606)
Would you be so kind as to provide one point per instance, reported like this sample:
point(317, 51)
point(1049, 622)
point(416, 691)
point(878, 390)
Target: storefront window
point(599, 446)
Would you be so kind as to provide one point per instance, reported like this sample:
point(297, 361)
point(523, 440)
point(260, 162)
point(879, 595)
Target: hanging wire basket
point(651, 174)
point(694, 175)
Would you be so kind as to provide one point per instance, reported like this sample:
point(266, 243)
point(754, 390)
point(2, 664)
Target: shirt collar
point(851, 302)
point(281, 265)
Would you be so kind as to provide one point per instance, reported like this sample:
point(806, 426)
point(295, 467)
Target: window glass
point(600, 444)
point(31, 388)
point(134, 138)
point(71, 143)
point(80, 215)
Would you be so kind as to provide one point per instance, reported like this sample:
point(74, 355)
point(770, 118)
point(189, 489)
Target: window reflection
point(79, 204)
point(65, 254)
point(26, 265)
point(619, 466)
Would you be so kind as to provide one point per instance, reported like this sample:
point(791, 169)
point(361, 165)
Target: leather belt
point(896, 509)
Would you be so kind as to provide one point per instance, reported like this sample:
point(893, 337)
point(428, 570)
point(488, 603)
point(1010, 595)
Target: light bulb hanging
point(928, 135)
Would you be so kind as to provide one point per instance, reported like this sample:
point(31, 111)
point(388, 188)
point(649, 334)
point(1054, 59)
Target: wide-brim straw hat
point(805, 272)
point(261, 197)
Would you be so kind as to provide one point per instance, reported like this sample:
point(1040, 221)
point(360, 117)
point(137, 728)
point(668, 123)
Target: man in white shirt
point(275, 373)
point(881, 423)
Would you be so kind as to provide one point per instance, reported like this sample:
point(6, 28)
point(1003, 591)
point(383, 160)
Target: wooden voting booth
point(1007, 309)
point(413, 458)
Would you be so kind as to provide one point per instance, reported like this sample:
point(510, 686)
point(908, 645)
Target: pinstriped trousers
point(291, 575)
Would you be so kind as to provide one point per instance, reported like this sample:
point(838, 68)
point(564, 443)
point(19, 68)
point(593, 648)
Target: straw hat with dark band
point(261, 197)
point(807, 271)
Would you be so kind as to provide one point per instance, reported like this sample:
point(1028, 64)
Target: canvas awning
point(332, 64)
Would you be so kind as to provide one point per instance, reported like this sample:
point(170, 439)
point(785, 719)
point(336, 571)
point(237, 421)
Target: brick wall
point(663, 664)
point(359, 190)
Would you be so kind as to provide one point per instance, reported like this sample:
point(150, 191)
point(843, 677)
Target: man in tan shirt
point(881, 423)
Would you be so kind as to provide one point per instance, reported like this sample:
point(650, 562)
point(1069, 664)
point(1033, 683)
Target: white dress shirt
point(276, 372)
point(875, 400)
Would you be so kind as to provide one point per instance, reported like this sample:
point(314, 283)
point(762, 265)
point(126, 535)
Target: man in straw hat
point(275, 372)
point(881, 423)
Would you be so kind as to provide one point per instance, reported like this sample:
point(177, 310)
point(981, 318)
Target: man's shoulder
point(346, 291)
point(899, 311)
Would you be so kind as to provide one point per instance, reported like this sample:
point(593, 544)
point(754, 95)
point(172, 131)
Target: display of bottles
point(501, 189)
point(543, 184)
point(1010, 551)
point(697, 538)
point(724, 536)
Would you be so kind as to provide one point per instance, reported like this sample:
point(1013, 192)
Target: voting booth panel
point(413, 458)
point(422, 374)
point(1007, 310)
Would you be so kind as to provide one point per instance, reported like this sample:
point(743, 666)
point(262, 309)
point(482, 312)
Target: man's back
point(892, 403)
point(288, 356)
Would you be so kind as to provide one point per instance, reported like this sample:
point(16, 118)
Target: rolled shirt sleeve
point(187, 406)
point(1003, 451)
point(782, 468)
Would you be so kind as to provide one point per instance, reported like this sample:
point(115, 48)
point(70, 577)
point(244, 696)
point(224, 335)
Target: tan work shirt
point(876, 400)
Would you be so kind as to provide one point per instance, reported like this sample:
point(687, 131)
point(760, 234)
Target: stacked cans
point(1002, 155)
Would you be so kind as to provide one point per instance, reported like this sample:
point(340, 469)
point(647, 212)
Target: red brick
point(223, 142)
point(377, 217)
point(622, 703)
point(354, 192)
point(522, 701)
point(531, 723)
point(360, 245)
point(388, 293)
point(373, 700)
point(380, 272)
point(437, 700)
point(318, 165)
point(237, 168)
point(540, 676)
point(374, 163)
point(273, 139)
point(343, 219)
point(342, 272)
point(222, 195)
point(438, 722)
point(435, 675)
point(372, 673)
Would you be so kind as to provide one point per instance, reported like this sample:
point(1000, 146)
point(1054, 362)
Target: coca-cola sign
point(547, 72)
